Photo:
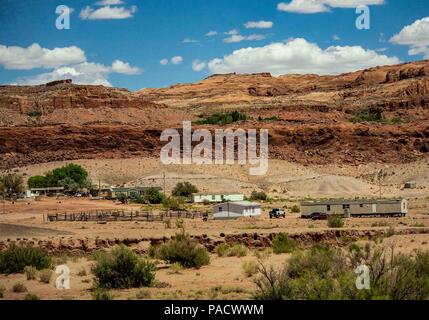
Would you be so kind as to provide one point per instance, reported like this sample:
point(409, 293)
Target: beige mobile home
point(356, 208)
point(217, 197)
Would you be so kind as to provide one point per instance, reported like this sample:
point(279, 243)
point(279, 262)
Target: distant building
point(410, 185)
point(45, 191)
point(234, 210)
point(128, 191)
point(356, 208)
point(217, 197)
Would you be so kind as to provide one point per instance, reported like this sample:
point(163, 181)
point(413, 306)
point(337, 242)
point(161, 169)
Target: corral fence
point(123, 215)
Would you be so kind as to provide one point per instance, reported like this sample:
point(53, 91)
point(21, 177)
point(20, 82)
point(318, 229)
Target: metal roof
point(242, 203)
point(354, 201)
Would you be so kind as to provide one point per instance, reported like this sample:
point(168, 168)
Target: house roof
point(242, 203)
point(354, 201)
point(216, 193)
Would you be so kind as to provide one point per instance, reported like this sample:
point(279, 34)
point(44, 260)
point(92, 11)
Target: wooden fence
point(122, 215)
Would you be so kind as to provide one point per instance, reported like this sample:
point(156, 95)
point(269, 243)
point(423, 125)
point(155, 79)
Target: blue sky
point(138, 34)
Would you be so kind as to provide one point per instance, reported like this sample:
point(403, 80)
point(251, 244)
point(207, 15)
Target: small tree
point(11, 184)
point(37, 182)
point(153, 196)
point(185, 189)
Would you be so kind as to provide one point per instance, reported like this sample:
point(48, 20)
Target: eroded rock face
point(251, 240)
point(308, 116)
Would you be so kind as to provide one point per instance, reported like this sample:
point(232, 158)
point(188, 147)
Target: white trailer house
point(234, 210)
point(217, 197)
point(356, 208)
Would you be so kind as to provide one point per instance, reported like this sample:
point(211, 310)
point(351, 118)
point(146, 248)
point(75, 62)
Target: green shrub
point(222, 249)
point(295, 209)
point(122, 198)
point(223, 118)
point(19, 288)
point(101, 294)
point(31, 296)
point(30, 272)
point(171, 203)
point(15, 258)
point(185, 251)
point(122, 269)
point(335, 221)
point(184, 189)
point(249, 268)
point(238, 250)
point(283, 244)
point(153, 196)
point(261, 195)
point(45, 275)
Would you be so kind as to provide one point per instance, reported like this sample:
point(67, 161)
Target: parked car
point(319, 216)
point(277, 213)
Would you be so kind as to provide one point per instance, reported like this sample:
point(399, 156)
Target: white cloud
point(238, 38)
point(232, 32)
point(211, 33)
point(90, 73)
point(198, 65)
point(107, 13)
point(318, 6)
point(258, 25)
point(336, 37)
point(177, 60)
point(301, 57)
point(119, 66)
point(189, 40)
point(35, 56)
point(163, 62)
point(109, 2)
point(416, 36)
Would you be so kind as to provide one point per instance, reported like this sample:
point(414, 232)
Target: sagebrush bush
point(238, 250)
point(45, 275)
point(30, 272)
point(283, 244)
point(122, 268)
point(185, 251)
point(101, 294)
point(249, 268)
point(15, 258)
point(143, 294)
point(335, 221)
point(19, 287)
point(31, 296)
point(222, 249)
point(324, 273)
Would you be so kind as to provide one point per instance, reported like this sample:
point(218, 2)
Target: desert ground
point(286, 183)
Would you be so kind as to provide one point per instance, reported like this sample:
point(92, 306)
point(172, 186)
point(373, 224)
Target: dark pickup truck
point(277, 213)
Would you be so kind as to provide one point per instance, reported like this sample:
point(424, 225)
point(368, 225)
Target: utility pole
point(164, 183)
point(4, 201)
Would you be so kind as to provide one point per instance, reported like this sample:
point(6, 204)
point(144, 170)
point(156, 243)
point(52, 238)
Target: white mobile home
point(356, 208)
point(217, 197)
point(234, 210)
